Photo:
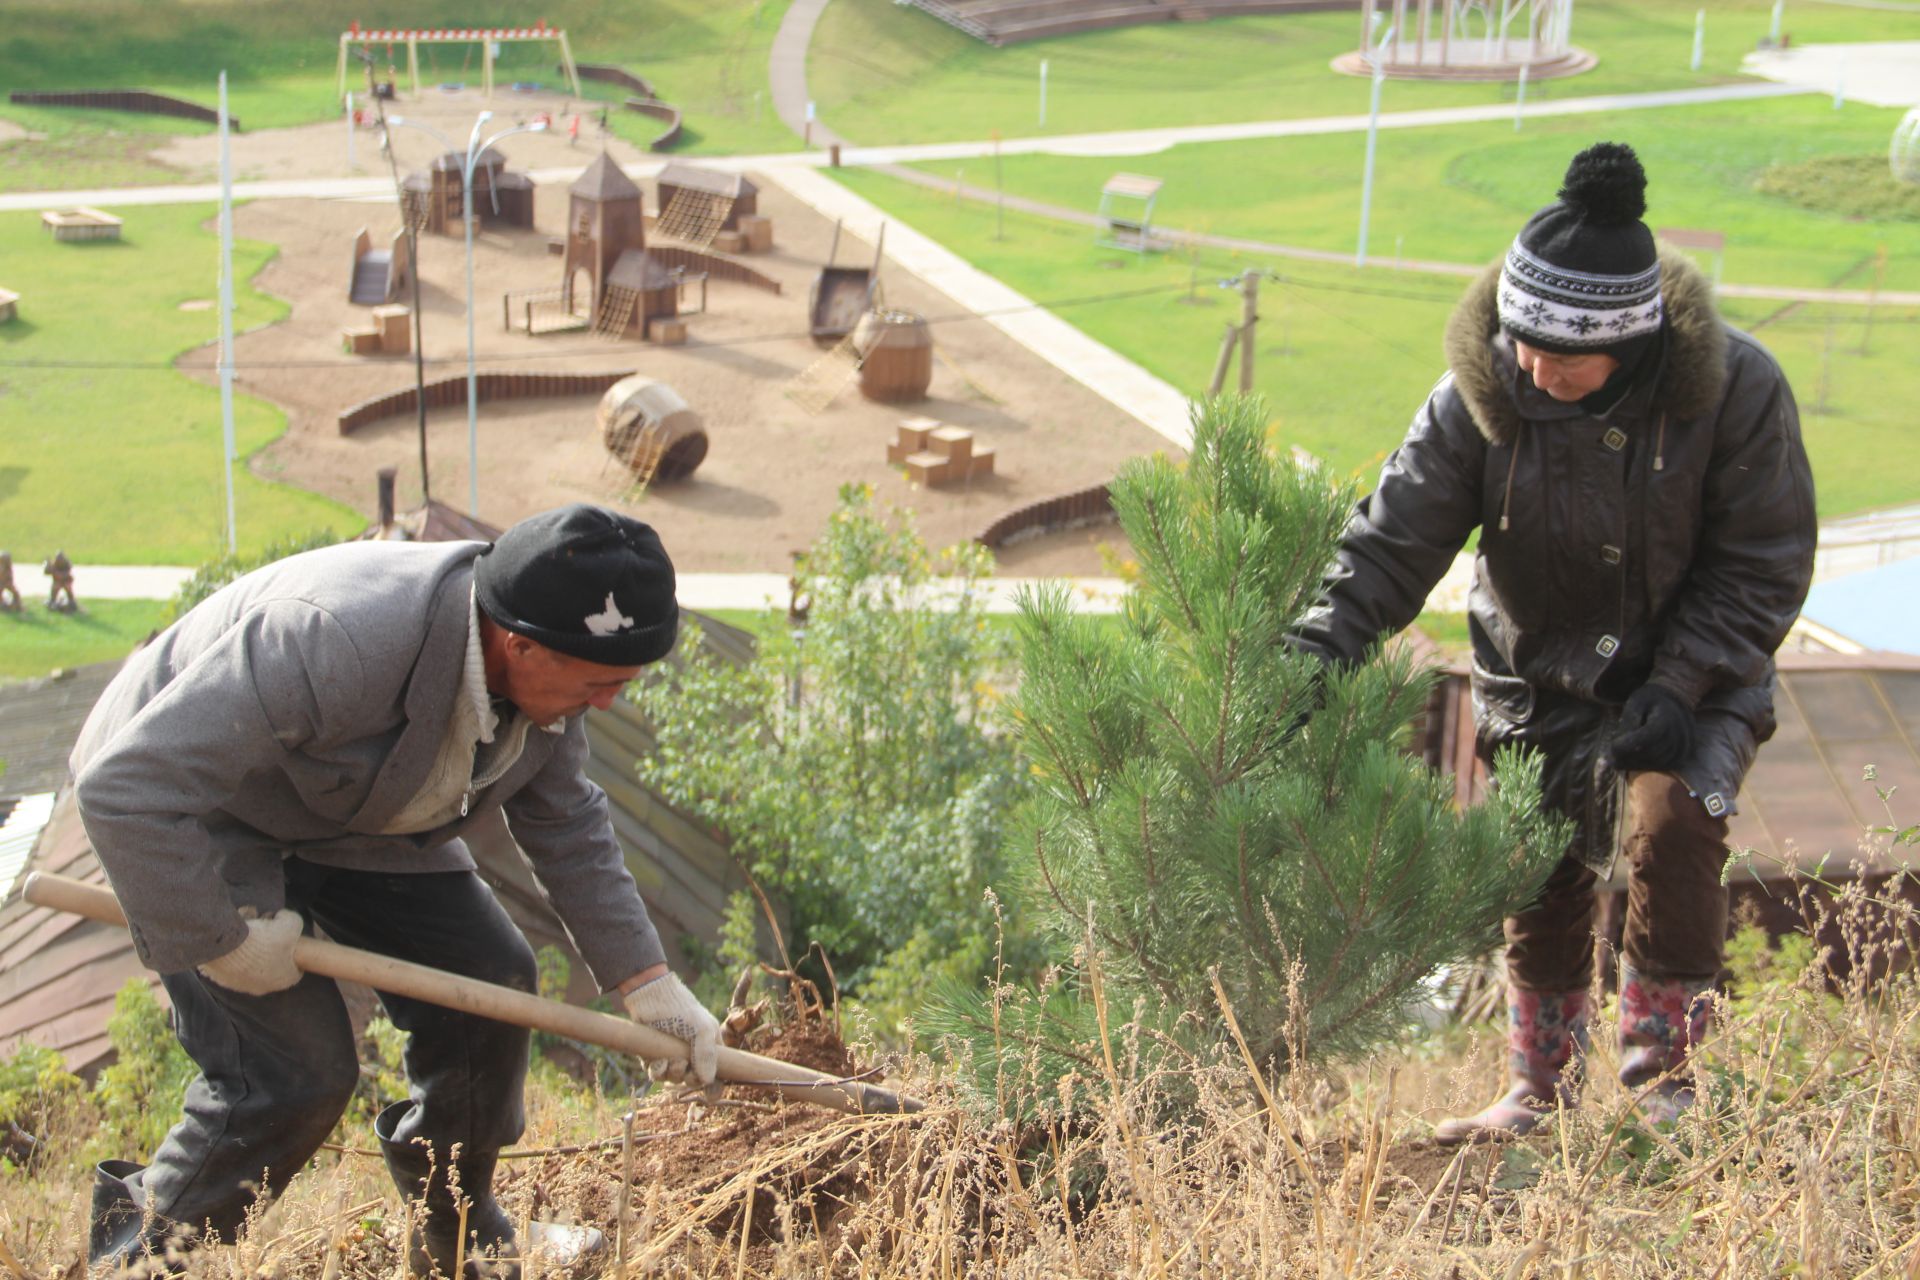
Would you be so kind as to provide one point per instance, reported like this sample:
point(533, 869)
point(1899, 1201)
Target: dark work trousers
point(278, 1070)
point(1676, 921)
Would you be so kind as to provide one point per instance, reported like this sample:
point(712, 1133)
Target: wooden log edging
point(446, 392)
point(141, 100)
point(1049, 515)
point(716, 267)
point(659, 111)
point(607, 73)
point(642, 99)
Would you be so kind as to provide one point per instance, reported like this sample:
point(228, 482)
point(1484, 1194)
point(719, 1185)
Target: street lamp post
point(475, 149)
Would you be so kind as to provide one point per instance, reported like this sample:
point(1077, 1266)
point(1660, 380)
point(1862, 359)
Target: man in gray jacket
point(307, 747)
point(1646, 534)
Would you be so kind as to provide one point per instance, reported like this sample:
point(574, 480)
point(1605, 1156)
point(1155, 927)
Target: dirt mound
point(699, 1165)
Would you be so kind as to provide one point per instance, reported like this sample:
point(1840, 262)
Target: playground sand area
point(773, 471)
point(320, 150)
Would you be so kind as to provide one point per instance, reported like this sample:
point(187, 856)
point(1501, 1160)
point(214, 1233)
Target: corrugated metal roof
point(1807, 799)
point(1876, 608)
point(26, 818)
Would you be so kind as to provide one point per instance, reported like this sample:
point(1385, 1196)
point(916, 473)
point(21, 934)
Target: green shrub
point(140, 1094)
point(1857, 187)
point(218, 572)
point(852, 764)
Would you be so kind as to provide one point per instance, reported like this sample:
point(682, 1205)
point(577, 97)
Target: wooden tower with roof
point(604, 220)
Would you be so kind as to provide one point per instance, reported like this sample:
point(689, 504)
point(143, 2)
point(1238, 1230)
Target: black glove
point(1655, 731)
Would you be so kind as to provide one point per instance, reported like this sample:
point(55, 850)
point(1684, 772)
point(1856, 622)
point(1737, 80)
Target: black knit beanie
point(583, 581)
point(1583, 275)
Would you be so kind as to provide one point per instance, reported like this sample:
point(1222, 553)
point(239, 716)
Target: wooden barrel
point(896, 356)
point(647, 426)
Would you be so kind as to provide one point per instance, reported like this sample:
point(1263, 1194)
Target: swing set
point(488, 39)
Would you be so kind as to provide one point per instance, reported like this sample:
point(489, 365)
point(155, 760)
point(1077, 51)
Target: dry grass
point(1803, 1157)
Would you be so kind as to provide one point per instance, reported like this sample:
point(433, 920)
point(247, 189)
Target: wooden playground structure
point(841, 295)
point(650, 430)
point(486, 37)
point(616, 279)
point(934, 453)
point(379, 274)
point(81, 223)
point(435, 197)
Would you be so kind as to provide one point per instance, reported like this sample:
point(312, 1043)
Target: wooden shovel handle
point(503, 1004)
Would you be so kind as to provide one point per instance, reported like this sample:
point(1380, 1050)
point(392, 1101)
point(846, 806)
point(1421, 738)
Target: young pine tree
point(1210, 802)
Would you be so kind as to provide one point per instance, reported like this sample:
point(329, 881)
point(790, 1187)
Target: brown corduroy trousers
point(1676, 918)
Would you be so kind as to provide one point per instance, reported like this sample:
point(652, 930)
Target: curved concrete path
point(787, 72)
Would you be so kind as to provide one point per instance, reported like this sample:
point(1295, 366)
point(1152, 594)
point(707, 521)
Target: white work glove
point(263, 962)
point(665, 1004)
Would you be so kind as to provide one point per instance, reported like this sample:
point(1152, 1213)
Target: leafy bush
point(140, 1094)
point(217, 573)
point(34, 1085)
point(851, 764)
point(1858, 187)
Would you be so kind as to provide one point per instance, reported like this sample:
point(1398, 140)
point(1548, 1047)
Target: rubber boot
point(1661, 1021)
point(1546, 1040)
point(491, 1246)
point(122, 1232)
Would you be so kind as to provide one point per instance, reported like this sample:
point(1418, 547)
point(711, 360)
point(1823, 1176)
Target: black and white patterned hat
point(1583, 275)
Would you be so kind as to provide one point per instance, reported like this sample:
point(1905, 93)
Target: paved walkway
point(787, 72)
point(1142, 142)
point(105, 582)
point(1885, 74)
point(694, 590)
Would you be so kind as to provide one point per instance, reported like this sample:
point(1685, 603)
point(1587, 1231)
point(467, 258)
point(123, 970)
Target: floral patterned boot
point(1661, 1020)
point(1546, 1034)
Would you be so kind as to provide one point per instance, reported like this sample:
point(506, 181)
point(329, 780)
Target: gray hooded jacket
point(296, 712)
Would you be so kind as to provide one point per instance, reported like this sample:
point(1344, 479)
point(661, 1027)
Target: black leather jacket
point(1671, 541)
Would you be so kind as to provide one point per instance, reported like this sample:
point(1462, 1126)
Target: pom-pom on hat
point(1583, 274)
point(583, 581)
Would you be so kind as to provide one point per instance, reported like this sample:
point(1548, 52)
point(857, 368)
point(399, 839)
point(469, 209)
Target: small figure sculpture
point(59, 571)
point(9, 594)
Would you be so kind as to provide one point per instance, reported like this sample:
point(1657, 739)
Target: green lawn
point(881, 72)
point(1345, 357)
point(708, 57)
point(1458, 193)
point(111, 453)
point(35, 641)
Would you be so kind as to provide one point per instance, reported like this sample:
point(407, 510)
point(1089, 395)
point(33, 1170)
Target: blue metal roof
point(1877, 608)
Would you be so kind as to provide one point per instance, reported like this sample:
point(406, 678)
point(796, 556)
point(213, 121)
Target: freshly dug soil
point(806, 1163)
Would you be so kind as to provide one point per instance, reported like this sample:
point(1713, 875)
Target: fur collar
point(1692, 374)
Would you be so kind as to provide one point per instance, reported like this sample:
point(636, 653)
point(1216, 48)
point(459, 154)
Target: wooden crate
point(758, 231)
point(394, 322)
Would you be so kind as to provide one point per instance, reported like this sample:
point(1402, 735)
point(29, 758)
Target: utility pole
point(1240, 335)
point(412, 230)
